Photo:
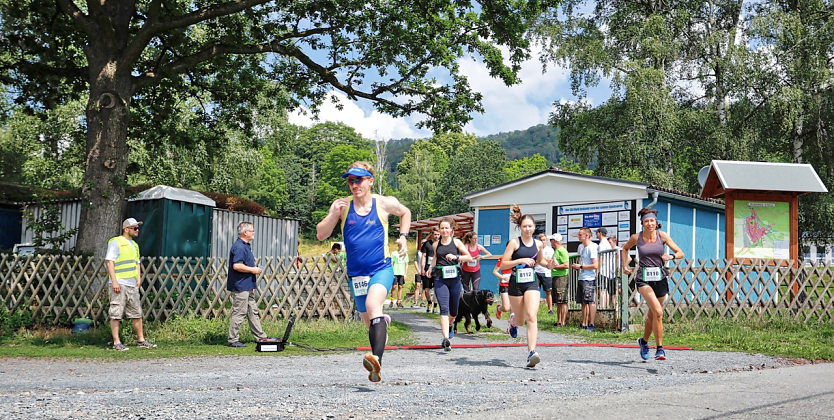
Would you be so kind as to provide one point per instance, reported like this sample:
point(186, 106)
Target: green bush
point(10, 323)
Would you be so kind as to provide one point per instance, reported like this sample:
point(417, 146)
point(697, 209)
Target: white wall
point(552, 188)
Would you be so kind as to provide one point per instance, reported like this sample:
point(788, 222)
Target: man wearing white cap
point(560, 266)
point(125, 278)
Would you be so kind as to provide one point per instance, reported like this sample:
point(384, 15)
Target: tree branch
point(326, 74)
point(104, 28)
point(154, 25)
point(77, 15)
point(29, 68)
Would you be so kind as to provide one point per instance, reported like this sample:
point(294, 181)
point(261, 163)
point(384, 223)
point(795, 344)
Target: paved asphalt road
point(571, 381)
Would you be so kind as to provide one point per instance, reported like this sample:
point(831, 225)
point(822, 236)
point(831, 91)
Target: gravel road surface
point(582, 382)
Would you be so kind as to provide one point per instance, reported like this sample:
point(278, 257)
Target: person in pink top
point(503, 287)
point(471, 271)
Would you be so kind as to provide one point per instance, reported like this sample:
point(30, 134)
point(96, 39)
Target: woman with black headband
point(651, 280)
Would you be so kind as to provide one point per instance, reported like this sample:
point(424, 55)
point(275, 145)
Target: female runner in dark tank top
point(521, 255)
point(651, 280)
point(448, 253)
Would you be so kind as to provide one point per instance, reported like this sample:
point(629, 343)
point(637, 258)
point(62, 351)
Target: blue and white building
point(564, 202)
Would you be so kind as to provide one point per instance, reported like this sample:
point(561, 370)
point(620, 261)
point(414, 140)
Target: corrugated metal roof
point(685, 194)
point(173, 193)
point(767, 176)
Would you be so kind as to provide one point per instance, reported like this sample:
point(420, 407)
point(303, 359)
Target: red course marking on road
point(478, 346)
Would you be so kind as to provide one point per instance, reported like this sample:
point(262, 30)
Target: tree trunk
point(798, 143)
point(107, 118)
point(107, 158)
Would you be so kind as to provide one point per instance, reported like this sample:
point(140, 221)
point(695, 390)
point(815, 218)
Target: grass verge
point(192, 336)
point(776, 337)
point(184, 336)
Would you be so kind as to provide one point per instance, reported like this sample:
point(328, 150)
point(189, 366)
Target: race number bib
point(652, 274)
point(450, 271)
point(472, 263)
point(360, 285)
point(524, 275)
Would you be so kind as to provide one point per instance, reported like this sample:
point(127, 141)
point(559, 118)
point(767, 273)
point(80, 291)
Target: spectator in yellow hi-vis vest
point(125, 278)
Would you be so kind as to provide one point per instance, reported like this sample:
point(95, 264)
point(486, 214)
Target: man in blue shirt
point(241, 283)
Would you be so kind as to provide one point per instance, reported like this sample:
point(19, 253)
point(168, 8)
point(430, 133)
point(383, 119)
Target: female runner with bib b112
point(522, 255)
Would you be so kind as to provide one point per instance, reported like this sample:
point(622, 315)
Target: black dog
point(471, 305)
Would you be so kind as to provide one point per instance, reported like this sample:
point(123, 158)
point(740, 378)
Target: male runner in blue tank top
point(364, 220)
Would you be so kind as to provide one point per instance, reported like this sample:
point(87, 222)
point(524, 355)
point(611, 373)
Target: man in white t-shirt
point(608, 263)
point(587, 266)
point(543, 274)
point(125, 278)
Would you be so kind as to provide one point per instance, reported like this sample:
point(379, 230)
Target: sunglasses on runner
point(355, 181)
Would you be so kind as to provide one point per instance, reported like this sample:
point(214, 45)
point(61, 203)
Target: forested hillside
point(540, 139)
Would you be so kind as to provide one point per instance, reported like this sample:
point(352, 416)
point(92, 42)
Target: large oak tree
point(118, 54)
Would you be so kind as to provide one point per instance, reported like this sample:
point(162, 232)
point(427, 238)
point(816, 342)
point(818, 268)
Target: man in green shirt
point(399, 263)
point(559, 272)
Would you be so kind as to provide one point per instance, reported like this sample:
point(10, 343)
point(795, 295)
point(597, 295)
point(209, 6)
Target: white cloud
point(370, 124)
point(505, 108)
point(515, 107)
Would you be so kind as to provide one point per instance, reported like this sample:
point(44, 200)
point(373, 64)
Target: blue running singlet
point(366, 241)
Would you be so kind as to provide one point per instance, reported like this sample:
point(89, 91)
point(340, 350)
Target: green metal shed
point(177, 222)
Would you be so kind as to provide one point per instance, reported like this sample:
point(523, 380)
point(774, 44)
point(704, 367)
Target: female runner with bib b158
point(449, 252)
point(651, 280)
point(364, 218)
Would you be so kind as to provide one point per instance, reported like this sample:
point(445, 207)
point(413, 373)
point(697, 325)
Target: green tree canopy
point(475, 167)
point(136, 62)
point(520, 168)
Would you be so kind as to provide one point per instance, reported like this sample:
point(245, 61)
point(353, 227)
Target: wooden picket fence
point(57, 289)
point(761, 292)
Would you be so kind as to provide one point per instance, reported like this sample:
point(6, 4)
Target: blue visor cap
point(357, 172)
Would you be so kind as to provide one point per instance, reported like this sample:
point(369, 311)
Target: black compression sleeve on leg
point(378, 333)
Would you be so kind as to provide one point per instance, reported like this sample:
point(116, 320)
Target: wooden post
point(729, 238)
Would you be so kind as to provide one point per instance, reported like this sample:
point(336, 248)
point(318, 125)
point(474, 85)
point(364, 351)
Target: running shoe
point(498, 311)
point(447, 346)
point(120, 347)
point(513, 329)
point(391, 305)
point(428, 308)
point(533, 359)
point(659, 354)
point(399, 304)
point(434, 311)
point(146, 344)
point(591, 327)
point(371, 363)
point(644, 348)
point(451, 331)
